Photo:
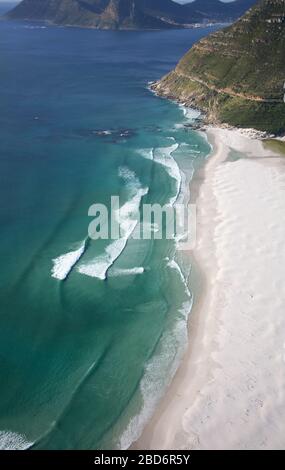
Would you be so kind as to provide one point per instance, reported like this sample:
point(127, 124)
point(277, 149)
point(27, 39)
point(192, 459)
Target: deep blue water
point(83, 360)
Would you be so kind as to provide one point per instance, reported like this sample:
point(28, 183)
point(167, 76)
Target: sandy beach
point(229, 392)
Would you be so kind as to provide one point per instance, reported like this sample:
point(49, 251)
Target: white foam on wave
point(13, 441)
point(103, 132)
point(127, 217)
point(192, 149)
point(147, 153)
point(99, 266)
point(163, 156)
point(174, 265)
point(152, 385)
point(172, 347)
point(190, 113)
point(126, 272)
point(64, 263)
point(154, 382)
point(179, 125)
point(128, 175)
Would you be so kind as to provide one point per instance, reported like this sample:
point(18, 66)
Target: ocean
point(91, 331)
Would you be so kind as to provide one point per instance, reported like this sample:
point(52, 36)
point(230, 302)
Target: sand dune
point(229, 392)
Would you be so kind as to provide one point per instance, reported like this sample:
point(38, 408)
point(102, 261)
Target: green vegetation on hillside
point(276, 145)
point(237, 75)
point(128, 14)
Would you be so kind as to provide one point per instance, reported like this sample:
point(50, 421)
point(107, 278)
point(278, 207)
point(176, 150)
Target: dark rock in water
point(126, 133)
point(110, 135)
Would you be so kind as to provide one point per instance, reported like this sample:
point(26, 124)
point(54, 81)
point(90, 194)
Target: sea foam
point(174, 265)
point(147, 153)
point(13, 441)
point(126, 272)
point(127, 217)
point(63, 265)
point(189, 113)
point(168, 357)
point(163, 156)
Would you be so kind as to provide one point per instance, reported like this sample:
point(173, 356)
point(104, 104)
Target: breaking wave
point(127, 217)
point(62, 266)
point(13, 441)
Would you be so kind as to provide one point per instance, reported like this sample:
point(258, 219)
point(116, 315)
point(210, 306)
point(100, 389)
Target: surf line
point(64, 264)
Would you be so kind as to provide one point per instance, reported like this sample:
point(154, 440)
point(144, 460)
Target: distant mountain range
point(237, 75)
point(129, 14)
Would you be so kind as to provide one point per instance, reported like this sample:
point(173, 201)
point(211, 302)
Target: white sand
point(229, 392)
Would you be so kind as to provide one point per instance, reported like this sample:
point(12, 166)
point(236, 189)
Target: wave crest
point(63, 265)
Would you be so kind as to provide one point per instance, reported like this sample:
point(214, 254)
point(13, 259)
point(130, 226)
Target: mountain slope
point(127, 14)
point(219, 11)
point(111, 14)
point(237, 75)
point(59, 11)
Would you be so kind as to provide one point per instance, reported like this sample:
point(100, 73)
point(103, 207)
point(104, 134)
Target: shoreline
point(206, 122)
point(195, 325)
point(201, 398)
point(176, 27)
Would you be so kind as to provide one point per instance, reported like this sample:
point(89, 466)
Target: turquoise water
point(84, 360)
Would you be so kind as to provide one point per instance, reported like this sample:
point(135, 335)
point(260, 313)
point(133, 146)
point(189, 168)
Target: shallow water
point(83, 359)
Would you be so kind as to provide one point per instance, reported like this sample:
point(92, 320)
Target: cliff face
point(237, 75)
point(127, 14)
